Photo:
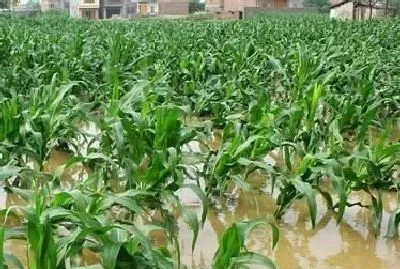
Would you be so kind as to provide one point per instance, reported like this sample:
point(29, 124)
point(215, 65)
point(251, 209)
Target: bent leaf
point(253, 258)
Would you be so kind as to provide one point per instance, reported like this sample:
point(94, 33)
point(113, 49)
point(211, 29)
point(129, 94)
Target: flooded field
point(349, 245)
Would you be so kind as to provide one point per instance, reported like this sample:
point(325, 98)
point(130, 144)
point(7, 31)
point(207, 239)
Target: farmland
point(117, 138)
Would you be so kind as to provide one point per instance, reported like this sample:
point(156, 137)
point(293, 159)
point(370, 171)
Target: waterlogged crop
point(313, 104)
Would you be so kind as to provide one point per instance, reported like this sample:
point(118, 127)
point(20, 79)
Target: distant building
point(351, 10)
point(214, 5)
point(238, 5)
point(117, 9)
point(147, 7)
point(47, 5)
point(241, 5)
point(111, 9)
point(276, 4)
point(295, 4)
point(173, 7)
point(85, 9)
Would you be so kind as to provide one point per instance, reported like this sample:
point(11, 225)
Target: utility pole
point(387, 7)
point(370, 9)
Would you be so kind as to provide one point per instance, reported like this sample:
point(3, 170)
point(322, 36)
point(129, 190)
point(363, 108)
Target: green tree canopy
point(4, 4)
point(321, 5)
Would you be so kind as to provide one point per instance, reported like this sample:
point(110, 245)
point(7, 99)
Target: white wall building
point(349, 10)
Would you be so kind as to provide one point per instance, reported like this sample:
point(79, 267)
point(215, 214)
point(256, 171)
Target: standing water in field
point(301, 112)
point(352, 244)
point(349, 245)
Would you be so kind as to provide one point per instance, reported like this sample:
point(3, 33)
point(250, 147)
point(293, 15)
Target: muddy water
point(350, 245)
point(17, 247)
point(70, 177)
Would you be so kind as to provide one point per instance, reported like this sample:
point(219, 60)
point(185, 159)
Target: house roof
point(340, 4)
point(377, 5)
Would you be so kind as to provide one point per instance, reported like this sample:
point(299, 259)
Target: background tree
point(321, 5)
point(4, 4)
point(196, 6)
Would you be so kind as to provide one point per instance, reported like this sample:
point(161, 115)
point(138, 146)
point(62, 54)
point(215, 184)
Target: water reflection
point(350, 245)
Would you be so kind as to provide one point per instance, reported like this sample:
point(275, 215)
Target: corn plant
point(232, 252)
point(321, 101)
